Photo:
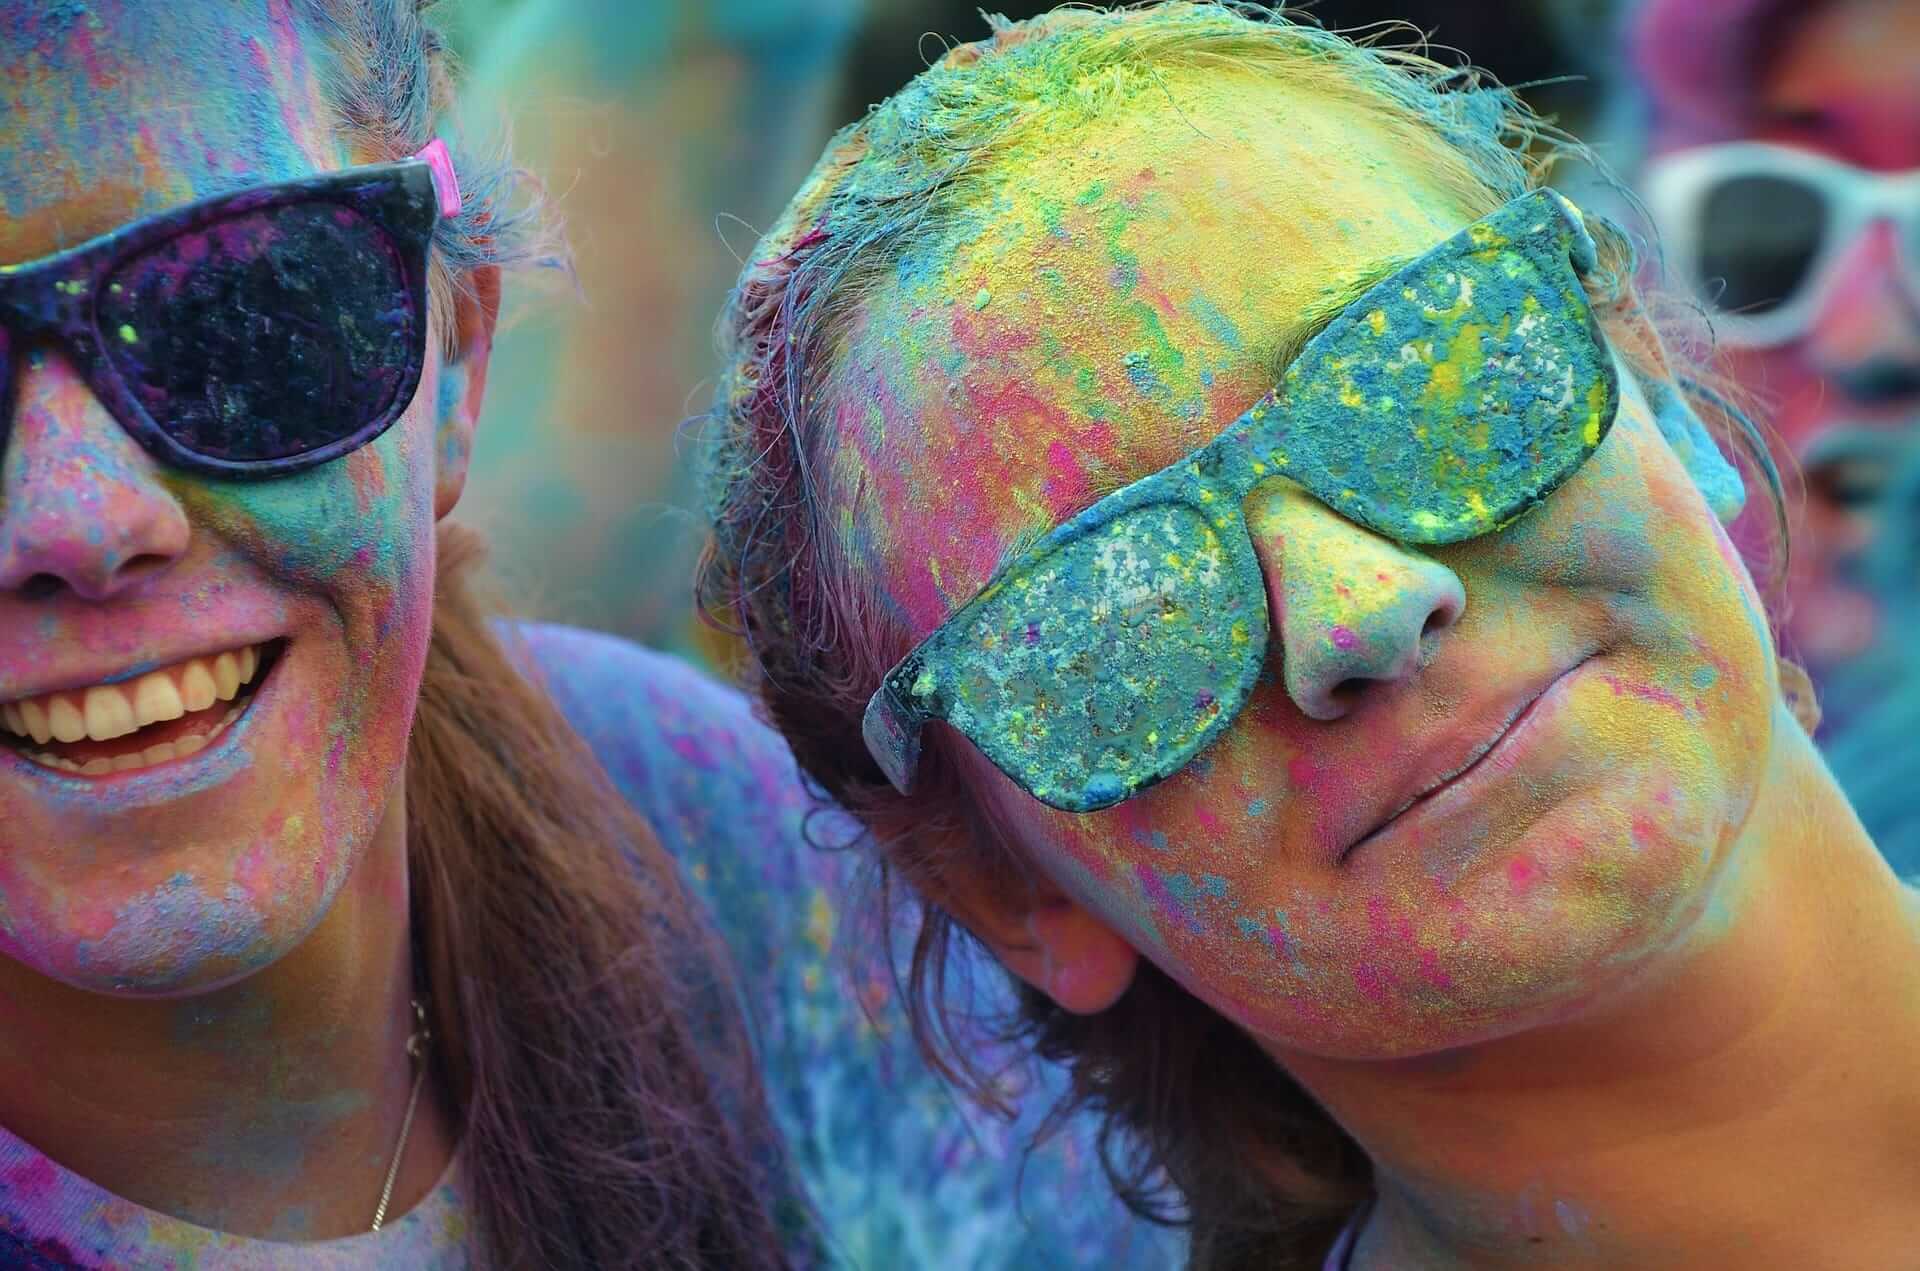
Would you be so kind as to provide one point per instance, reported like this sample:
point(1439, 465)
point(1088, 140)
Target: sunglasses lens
point(1106, 665)
point(268, 335)
point(1459, 392)
point(1759, 236)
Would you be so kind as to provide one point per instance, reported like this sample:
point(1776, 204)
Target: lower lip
point(1503, 754)
point(215, 755)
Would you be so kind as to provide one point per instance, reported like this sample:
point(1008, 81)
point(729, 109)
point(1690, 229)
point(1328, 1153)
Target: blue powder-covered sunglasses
point(1442, 404)
point(253, 334)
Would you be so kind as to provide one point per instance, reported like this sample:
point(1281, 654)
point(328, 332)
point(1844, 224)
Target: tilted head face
point(192, 851)
point(1796, 127)
point(1479, 784)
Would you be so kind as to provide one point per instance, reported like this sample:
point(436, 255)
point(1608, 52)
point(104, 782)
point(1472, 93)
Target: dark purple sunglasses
point(249, 335)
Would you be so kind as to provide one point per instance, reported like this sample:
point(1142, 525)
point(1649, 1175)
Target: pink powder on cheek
point(1645, 692)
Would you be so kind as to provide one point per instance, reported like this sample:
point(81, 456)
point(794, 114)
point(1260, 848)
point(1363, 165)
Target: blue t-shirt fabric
point(901, 1171)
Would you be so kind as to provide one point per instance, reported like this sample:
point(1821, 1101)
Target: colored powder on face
point(178, 927)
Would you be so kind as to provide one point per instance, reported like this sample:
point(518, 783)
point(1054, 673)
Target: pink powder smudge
point(1163, 900)
point(1371, 981)
point(1067, 488)
point(1646, 693)
point(1343, 638)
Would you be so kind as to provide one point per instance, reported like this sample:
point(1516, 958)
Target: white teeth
point(226, 676)
point(65, 719)
point(35, 718)
point(197, 688)
point(108, 713)
point(156, 700)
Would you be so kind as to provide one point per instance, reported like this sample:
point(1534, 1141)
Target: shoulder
point(889, 1158)
point(684, 749)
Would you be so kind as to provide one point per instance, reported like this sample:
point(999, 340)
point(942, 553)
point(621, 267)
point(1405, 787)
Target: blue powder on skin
point(175, 930)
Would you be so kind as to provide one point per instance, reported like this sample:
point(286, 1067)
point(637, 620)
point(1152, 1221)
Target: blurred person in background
point(660, 128)
point(1783, 171)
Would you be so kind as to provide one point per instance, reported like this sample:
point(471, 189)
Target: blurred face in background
point(1786, 182)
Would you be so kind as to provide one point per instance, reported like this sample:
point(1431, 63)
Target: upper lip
point(124, 670)
point(1443, 765)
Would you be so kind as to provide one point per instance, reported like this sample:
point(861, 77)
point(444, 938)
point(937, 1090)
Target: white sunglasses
point(1755, 229)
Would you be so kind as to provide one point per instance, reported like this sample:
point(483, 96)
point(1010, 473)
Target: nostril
point(41, 586)
point(1437, 621)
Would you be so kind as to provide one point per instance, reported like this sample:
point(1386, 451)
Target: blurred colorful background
point(668, 132)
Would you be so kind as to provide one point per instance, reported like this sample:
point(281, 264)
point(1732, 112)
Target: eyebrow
point(1317, 317)
point(1313, 319)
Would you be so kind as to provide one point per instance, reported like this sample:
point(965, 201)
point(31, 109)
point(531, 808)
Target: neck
point(269, 1108)
point(1744, 1107)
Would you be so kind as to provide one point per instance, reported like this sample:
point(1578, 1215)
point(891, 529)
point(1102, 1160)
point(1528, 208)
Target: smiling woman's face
point(204, 852)
point(1120, 299)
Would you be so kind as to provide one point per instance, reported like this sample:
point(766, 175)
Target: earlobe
point(1078, 961)
point(463, 384)
point(1052, 942)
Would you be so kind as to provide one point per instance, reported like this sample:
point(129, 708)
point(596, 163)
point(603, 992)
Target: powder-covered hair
point(609, 1110)
point(1257, 1170)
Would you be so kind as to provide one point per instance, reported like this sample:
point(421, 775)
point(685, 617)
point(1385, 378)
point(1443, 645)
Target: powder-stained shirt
point(903, 1173)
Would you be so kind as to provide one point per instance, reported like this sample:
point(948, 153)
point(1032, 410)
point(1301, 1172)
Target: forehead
point(1852, 68)
point(1113, 299)
point(113, 109)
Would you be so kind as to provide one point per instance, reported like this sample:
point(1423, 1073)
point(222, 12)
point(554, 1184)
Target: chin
point(1519, 917)
point(195, 929)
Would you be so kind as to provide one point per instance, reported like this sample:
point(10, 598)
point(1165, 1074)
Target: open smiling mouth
point(167, 714)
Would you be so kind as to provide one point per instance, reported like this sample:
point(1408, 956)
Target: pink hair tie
point(445, 183)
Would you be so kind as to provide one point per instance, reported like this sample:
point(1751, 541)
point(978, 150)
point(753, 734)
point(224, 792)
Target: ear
point(1718, 480)
point(1047, 938)
point(463, 385)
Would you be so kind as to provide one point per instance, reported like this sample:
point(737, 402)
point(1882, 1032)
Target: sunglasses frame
point(1677, 185)
point(56, 298)
point(1214, 481)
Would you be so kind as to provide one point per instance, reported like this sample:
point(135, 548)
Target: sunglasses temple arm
point(892, 731)
point(446, 184)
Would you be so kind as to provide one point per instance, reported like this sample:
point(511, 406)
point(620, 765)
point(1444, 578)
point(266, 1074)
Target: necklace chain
point(417, 1042)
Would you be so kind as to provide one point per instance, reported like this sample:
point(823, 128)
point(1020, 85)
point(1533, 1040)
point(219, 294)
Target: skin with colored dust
point(1476, 383)
point(1515, 863)
point(1621, 637)
point(261, 864)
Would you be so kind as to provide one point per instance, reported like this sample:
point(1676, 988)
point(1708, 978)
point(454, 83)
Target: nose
point(82, 506)
point(1866, 338)
point(1353, 611)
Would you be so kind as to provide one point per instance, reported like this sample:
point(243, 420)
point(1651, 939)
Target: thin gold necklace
point(417, 1052)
